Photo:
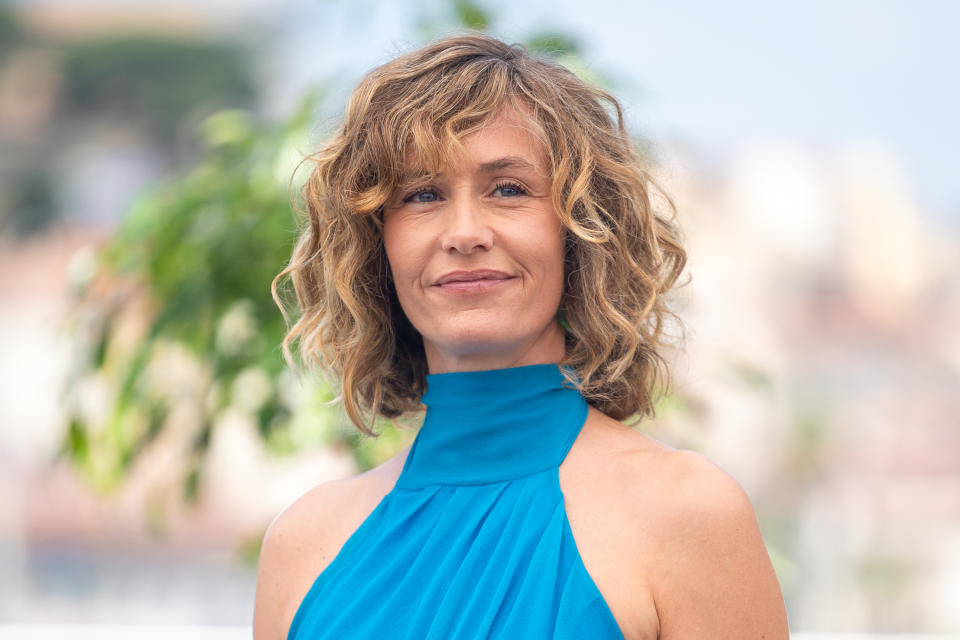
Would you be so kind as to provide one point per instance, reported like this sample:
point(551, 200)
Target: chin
point(491, 347)
point(476, 340)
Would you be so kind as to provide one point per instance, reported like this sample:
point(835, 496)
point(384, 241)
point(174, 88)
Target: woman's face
point(476, 254)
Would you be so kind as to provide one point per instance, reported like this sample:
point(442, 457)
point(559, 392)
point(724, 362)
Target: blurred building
point(824, 306)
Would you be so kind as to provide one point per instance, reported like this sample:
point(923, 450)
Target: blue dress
point(473, 540)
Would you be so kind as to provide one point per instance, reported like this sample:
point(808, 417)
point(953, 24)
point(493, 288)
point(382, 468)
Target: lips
point(472, 276)
point(474, 281)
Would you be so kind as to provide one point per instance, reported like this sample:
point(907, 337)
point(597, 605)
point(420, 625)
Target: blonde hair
point(621, 256)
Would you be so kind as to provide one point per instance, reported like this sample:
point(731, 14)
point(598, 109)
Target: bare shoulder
point(694, 492)
point(715, 579)
point(691, 536)
point(682, 489)
point(306, 536)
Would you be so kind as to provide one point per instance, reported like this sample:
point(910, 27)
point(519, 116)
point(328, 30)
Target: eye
point(510, 189)
point(422, 195)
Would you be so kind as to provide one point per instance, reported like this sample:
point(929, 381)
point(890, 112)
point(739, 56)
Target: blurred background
point(150, 430)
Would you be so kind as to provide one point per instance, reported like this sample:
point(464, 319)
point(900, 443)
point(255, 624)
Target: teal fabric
point(473, 540)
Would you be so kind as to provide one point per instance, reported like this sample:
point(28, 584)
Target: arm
point(715, 579)
point(282, 544)
point(298, 545)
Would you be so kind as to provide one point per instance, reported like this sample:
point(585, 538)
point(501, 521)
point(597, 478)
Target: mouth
point(471, 282)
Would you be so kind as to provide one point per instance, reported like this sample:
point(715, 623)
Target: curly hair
point(621, 256)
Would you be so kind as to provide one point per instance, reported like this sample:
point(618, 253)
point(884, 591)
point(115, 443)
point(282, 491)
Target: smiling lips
point(472, 282)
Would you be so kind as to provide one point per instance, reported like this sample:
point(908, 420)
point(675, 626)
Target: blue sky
point(823, 73)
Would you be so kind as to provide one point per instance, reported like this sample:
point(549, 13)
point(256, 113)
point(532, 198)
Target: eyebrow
point(492, 166)
point(507, 162)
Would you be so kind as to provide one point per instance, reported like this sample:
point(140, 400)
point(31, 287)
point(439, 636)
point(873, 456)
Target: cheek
point(397, 249)
point(555, 276)
point(405, 261)
point(545, 252)
point(554, 250)
point(389, 238)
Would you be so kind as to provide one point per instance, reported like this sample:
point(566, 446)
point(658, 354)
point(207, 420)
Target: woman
point(481, 241)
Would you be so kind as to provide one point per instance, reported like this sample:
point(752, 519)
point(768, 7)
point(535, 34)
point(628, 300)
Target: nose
point(466, 227)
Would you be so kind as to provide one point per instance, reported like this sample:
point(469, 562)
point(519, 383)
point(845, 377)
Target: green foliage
point(179, 318)
point(471, 15)
point(216, 236)
point(368, 452)
point(554, 44)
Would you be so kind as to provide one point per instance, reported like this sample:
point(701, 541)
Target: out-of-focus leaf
point(553, 44)
point(471, 15)
point(76, 444)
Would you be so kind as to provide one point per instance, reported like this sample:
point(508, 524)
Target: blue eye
point(509, 190)
point(425, 195)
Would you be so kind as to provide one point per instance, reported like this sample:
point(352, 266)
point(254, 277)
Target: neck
point(547, 347)
point(493, 425)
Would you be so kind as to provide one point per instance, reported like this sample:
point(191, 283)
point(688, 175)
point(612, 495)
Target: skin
point(488, 222)
point(670, 539)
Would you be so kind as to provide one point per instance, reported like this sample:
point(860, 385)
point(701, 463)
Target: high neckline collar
point(495, 425)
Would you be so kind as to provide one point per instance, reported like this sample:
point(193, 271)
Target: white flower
point(237, 328)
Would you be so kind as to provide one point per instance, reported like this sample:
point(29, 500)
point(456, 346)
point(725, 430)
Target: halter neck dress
point(473, 540)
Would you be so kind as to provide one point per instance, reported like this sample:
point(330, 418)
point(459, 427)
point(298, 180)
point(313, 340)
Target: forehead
point(509, 139)
point(509, 134)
